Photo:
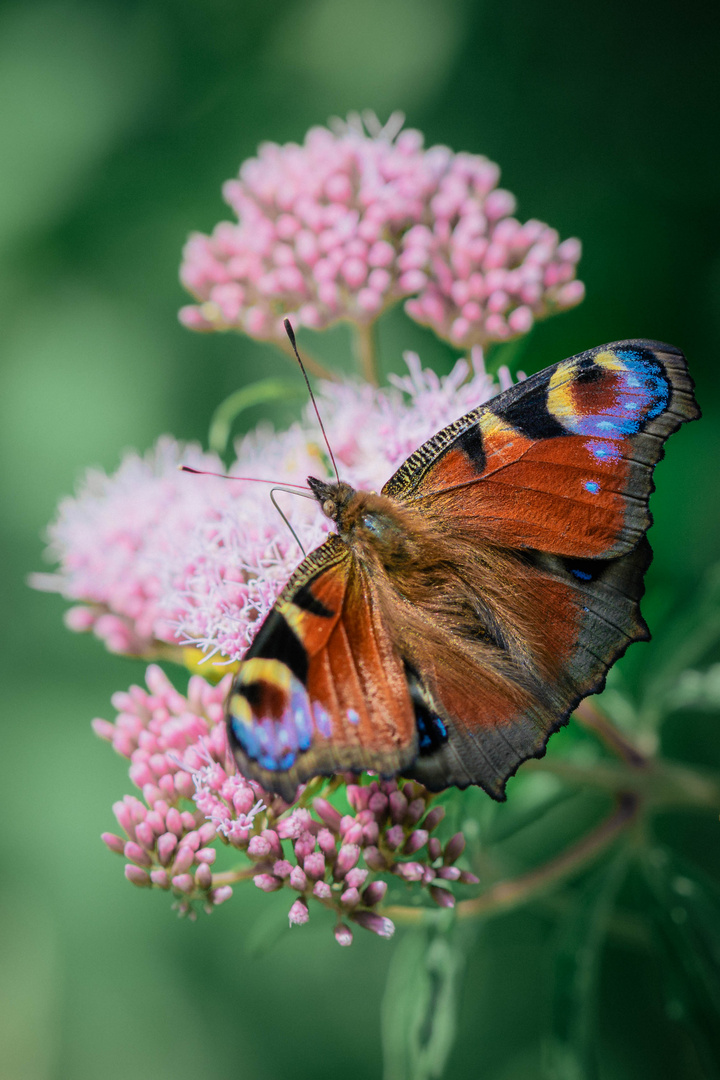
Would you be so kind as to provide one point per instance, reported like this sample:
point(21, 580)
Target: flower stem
point(311, 364)
point(365, 352)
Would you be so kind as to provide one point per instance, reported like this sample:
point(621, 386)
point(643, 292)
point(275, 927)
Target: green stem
point(365, 352)
point(660, 784)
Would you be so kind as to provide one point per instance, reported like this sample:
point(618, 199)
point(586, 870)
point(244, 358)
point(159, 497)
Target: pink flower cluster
point(154, 557)
point(354, 220)
point(179, 757)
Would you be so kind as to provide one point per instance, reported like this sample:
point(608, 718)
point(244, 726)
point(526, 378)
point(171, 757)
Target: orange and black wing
point(543, 492)
point(563, 461)
point(321, 688)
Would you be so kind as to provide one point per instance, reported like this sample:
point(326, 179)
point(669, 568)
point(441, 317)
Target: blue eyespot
point(592, 486)
point(581, 574)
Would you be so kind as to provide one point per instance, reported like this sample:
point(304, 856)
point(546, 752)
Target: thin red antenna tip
point(291, 335)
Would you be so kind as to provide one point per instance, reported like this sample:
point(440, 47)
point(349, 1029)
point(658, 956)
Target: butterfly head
point(333, 497)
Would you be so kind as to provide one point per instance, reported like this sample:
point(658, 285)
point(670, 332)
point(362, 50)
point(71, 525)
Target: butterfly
point(455, 620)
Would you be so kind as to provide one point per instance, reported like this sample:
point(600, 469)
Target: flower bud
point(378, 924)
point(454, 848)
point(327, 813)
point(298, 879)
point(433, 818)
point(136, 876)
point(343, 934)
point(298, 913)
point(442, 897)
point(374, 893)
point(267, 882)
point(115, 843)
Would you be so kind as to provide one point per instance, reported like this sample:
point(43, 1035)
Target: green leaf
point(419, 1009)
point(686, 921)
point(258, 393)
point(572, 1050)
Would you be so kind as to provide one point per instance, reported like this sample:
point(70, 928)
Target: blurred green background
point(118, 122)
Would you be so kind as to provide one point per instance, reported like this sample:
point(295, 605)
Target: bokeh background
point(119, 119)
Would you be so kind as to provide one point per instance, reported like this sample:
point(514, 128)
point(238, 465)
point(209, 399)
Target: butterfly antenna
point(300, 488)
point(291, 335)
point(275, 504)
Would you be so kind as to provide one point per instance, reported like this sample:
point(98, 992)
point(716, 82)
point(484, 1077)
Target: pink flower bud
point(184, 883)
point(298, 879)
point(370, 834)
point(304, 845)
point(191, 840)
point(267, 882)
point(282, 868)
point(378, 803)
point(350, 898)
point(468, 879)
point(160, 878)
point(433, 818)
point(434, 848)
point(115, 843)
point(449, 873)
point(454, 848)
point(415, 811)
point(207, 855)
point(394, 837)
point(410, 871)
point(219, 896)
point(258, 848)
point(354, 834)
point(322, 890)
point(203, 876)
point(173, 821)
point(184, 859)
point(314, 865)
point(375, 859)
point(374, 893)
point(207, 833)
point(124, 819)
point(343, 934)
point(298, 913)
point(378, 924)
point(355, 878)
point(166, 846)
point(134, 852)
point(103, 728)
point(145, 835)
point(398, 807)
point(442, 897)
point(347, 858)
point(136, 876)
point(415, 841)
point(327, 843)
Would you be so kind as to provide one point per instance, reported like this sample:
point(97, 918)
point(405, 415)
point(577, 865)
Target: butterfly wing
point(563, 461)
point(321, 688)
point(542, 496)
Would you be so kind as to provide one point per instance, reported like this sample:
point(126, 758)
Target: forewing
point(321, 689)
point(562, 462)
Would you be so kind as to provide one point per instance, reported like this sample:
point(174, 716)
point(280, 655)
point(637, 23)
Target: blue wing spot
point(581, 574)
point(353, 716)
point(592, 486)
point(322, 720)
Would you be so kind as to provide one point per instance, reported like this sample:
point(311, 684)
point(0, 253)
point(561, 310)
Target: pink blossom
point(361, 216)
point(157, 558)
point(170, 834)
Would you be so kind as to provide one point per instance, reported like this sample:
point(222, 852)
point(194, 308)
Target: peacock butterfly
point(456, 619)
